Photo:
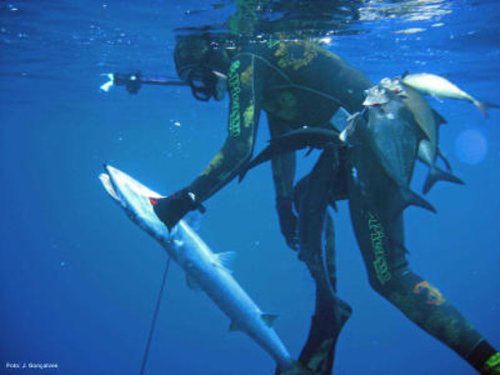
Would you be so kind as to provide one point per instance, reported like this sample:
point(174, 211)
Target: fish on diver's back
point(429, 121)
point(440, 87)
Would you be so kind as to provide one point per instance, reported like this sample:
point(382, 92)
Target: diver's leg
point(330, 313)
point(382, 244)
point(317, 250)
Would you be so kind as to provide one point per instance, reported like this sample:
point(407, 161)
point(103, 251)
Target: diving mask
point(206, 83)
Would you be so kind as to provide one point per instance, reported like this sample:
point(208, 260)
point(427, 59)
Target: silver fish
point(440, 87)
point(204, 269)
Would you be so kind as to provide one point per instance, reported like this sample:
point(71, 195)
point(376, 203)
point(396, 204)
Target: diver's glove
point(173, 208)
point(288, 221)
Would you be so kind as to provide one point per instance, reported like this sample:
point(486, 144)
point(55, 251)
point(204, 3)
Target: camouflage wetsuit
point(297, 84)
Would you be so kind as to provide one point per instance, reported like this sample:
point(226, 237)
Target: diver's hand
point(171, 210)
point(288, 221)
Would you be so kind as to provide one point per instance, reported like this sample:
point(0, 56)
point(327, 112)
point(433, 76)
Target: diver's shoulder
point(254, 50)
point(273, 50)
point(307, 45)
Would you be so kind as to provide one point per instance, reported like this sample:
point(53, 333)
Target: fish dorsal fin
point(269, 318)
point(226, 259)
point(191, 283)
point(233, 327)
point(405, 73)
point(440, 119)
point(193, 219)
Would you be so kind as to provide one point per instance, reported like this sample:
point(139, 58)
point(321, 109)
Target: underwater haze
point(79, 281)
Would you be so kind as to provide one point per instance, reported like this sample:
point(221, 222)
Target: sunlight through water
point(471, 147)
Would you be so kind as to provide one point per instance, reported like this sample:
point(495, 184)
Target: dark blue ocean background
point(78, 281)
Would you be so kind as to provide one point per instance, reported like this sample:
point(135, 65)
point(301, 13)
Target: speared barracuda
point(204, 269)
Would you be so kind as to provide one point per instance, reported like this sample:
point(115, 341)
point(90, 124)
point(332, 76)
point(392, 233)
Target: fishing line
point(155, 316)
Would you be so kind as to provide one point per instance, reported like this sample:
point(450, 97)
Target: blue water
point(78, 281)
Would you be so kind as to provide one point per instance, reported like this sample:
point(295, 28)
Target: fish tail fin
point(436, 174)
point(483, 107)
point(413, 199)
point(491, 105)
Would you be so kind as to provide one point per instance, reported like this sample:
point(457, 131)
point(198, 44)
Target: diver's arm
point(242, 125)
point(235, 153)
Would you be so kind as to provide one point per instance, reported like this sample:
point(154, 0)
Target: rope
point(155, 316)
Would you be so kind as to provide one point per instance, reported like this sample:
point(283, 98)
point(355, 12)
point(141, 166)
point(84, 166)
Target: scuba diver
point(297, 83)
